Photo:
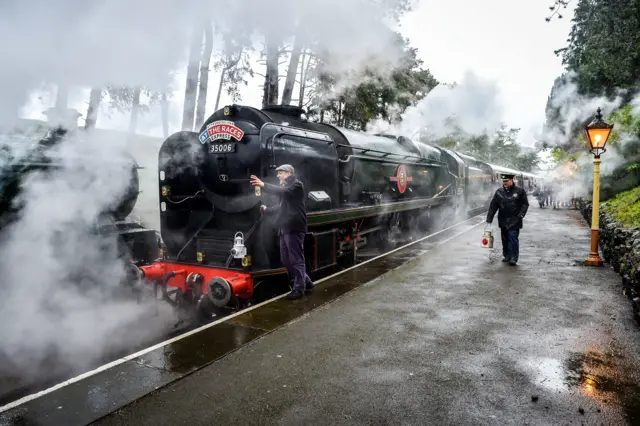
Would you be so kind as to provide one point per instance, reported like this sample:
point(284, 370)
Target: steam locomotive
point(362, 190)
point(21, 157)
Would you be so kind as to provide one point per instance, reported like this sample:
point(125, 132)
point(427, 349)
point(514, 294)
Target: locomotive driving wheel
point(393, 231)
point(206, 311)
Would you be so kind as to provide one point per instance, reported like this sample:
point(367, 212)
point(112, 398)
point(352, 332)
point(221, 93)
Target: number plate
point(222, 148)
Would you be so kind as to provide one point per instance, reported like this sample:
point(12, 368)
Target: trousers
point(510, 243)
point(292, 257)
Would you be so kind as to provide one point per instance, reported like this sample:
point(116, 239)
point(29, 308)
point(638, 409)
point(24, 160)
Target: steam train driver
point(291, 222)
point(511, 201)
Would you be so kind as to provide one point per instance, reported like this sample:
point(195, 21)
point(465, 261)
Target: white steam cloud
point(59, 278)
point(574, 109)
point(472, 105)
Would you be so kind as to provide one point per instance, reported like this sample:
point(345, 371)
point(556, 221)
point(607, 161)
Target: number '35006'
point(224, 147)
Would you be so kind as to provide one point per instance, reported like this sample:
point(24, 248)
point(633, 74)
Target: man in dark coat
point(511, 201)
point(291, 222)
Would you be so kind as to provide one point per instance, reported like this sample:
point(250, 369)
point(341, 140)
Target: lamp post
point(597, 133)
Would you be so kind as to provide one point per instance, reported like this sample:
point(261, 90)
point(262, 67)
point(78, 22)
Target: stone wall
point(621, 249)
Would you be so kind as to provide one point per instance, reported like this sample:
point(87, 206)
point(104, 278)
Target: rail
point(362, 157)
point(365, 150)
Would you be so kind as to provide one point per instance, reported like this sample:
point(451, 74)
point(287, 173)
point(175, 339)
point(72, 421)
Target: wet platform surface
point(99, 394)
point(453, 337)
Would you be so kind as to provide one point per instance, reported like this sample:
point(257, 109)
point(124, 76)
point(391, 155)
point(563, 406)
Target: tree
point(504, 148)
point(270, 88)
point(234, 66)
point(164, 107)
point(191, 87)
point(501, 149)
point(92, 110)
point(203, 83)
point(380, 95)
point(129, 99)
point(126, 99)
point(293, 26)
point(135, 109)
point(527, 162)
point(604, 46)
point(555, 9)
point(308, 78)
point(292, 71)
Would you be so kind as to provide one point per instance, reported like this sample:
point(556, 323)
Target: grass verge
point(624, 208)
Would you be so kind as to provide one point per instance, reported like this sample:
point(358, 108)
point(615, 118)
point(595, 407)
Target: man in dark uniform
point(291, 222)
point(512, 202)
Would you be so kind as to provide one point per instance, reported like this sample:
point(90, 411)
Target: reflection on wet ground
point(600, 375)
point(596, 374)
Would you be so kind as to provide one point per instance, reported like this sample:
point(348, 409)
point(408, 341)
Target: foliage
point(626, 125)
point(501, 149)
point(601, 58)
point(556, 125)
point(380, 95)
point(555, 9)
point(604, 46)
point(121, 98)
point(235, 66)
point(625, 208)
point(559, 156)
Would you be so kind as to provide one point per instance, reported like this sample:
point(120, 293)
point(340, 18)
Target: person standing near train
point(291, 222)
point(511, 202)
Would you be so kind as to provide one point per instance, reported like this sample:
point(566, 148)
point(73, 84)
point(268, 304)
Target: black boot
point(512, 262)
point(295, 294)
point(309, 286)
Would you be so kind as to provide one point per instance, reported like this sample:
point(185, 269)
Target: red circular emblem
point(401, 178)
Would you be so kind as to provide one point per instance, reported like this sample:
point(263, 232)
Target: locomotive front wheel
point(205, 311)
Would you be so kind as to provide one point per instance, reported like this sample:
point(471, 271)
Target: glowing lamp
point(485, 241)
point(597, 133)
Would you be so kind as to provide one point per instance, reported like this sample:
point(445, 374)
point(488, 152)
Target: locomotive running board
point(336, 216)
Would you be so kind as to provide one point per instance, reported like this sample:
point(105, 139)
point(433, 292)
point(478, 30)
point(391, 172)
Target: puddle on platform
point(595, 373)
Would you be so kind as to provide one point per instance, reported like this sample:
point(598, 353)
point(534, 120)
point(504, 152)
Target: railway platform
point(442, 333)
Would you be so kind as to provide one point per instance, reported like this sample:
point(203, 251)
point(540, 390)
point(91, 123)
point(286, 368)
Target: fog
point(60, 280)
point(471, 105)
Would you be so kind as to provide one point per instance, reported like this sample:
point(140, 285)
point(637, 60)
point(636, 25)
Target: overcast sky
point(506, 41)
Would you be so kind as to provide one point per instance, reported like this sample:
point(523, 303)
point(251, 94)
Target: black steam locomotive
point(21, 157)
point(361, 190)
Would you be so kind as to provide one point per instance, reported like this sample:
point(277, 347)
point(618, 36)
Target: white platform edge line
point(124, 359)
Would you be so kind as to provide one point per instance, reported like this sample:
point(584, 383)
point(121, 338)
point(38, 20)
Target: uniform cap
point(506, 176)
point(285, 168)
